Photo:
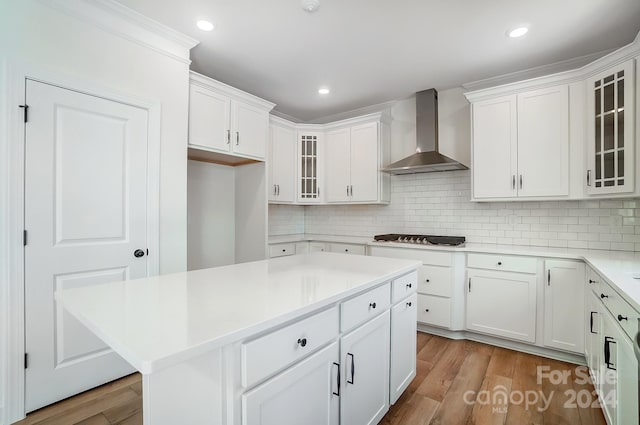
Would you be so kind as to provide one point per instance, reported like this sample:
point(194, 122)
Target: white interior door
point(85, 214)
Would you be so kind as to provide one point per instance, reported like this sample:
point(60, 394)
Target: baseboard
point(504, 343)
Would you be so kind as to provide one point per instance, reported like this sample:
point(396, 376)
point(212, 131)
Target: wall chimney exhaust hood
point(427, 158)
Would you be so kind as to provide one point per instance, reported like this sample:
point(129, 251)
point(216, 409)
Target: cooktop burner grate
point(421, 239)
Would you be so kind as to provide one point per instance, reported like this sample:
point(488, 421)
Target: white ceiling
point(373, 51)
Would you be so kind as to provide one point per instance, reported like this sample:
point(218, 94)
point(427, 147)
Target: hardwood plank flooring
point(456, 383)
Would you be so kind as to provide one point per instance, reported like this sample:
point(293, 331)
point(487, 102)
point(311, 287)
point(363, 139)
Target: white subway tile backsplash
point(438, 203)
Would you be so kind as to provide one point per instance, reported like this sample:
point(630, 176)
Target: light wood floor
point(446, 369)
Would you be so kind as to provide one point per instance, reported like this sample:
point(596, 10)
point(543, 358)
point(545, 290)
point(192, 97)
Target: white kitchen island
point(311, 339)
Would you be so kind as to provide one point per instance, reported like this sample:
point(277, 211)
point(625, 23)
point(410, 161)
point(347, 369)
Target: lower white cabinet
point(364, 354)
point(347, 248)
point(564, 305)
point(307, 393)
point(433, 310)
point(403, 346)
point(502, 304)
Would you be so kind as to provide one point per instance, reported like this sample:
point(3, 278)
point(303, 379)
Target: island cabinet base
point(328, 367)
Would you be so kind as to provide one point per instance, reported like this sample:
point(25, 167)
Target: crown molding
point(384, 107)
point(117, 19)
point(614, 58)
point(286, 117)
point(210, 83)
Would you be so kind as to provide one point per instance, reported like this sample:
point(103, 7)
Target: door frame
point(13, 78)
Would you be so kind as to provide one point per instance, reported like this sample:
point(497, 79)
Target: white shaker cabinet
point(354, 157)
point(610, 130)
point(521, 145)
point(403, 346)
point(225, 120)
point(282, 164)
point(364, 354)
point(495, 148)
point(543, 142)
point(564, 305)
point(307, 393)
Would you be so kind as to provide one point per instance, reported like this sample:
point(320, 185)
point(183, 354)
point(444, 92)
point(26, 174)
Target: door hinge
point(24, 238)
point(26, 360)
point(25, 109)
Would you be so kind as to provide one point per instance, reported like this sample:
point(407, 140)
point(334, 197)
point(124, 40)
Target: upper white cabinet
point(340, 162)
point(354, 157)
point(610, 130)
point(521, 145)
point(225, 120)
point(282, 164)
point(569, 135)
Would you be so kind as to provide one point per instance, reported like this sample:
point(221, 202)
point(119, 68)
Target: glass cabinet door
point(309, 188)
point(611, 137)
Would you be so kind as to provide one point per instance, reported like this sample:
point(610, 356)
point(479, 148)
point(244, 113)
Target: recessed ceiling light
point(324, 90)
point(517, 32)
point(204, 25)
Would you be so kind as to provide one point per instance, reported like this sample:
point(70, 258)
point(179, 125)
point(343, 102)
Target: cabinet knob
point(427, 310)
point(499, 263)
point(409, 285)
point(372, 305)
point(409, 304)
point(592, 281)
point(302, 342)
point(346, 250)
point(621, 318)
point(603, 296)
point(284, 250)
point(427, 280)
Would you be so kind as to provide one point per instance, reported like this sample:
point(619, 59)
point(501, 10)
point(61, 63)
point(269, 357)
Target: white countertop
point(617, 267)
point(160, 321)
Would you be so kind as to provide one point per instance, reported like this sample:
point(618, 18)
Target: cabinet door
point(317, 247)
point(250, 130)
point(282, 164)
point(309, 154)
point(209, 119)
point(593, 336)
point(307, 393)
point(403, 346)
point(609, 374)
point(543, 142)
point(610, 131)
point(495, 148)
point(564, 305)
point(502, 304)
point(627, 383)
point(338, 148)
point(364, 354)
point(364, 163)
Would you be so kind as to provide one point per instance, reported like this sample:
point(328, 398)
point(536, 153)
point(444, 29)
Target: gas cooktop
point(421, 239)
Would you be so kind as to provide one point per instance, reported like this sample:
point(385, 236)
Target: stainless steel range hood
point(427, 158)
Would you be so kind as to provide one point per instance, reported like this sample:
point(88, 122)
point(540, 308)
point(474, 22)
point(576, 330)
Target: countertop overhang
point(159, 321)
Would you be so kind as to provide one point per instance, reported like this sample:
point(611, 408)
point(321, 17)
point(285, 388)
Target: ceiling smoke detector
point(310, 5)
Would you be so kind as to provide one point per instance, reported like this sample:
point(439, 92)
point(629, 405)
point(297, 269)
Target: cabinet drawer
point(404, 286)
point(282, 250)
point(434, 280)
point(302, 247)
point(266, 355)
point(434, 311)
point(428, 257)
point(347, 248)
point(625, 315)
point(361, 308)
point(506, 263)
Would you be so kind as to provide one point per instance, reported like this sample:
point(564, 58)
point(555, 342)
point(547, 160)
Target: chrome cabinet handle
point(237, 138)
point(228, 137)
point(347, 190)
point(351, 191)
point(549, 277)
point(588, 177)
point(513, 182)
point(520, 181)
point(278, 186)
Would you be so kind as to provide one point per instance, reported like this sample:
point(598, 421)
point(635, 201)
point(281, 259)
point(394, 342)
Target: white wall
point(35, 36)
point(211, 215)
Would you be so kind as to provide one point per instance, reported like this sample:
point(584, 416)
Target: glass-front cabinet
point(309, 150)
point(610, 154)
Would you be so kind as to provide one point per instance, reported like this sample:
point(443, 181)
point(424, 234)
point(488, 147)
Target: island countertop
point(159, 321)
